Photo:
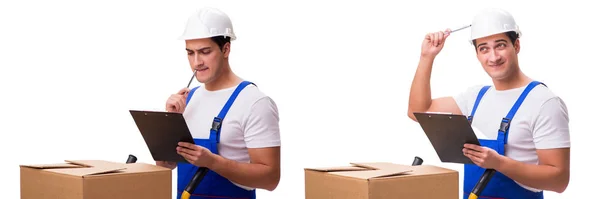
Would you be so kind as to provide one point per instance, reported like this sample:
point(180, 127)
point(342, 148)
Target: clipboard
point(448, 133)
point(162, 131)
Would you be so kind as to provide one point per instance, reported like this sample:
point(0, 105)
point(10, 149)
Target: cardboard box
point(95, 179)
point(381, 181)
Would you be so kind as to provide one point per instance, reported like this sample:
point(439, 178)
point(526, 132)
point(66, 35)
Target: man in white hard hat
point(534, 156)
point(235, 126)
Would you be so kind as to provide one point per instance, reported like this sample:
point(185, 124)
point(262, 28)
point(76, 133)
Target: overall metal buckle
point(216, 124)
point(504, 125)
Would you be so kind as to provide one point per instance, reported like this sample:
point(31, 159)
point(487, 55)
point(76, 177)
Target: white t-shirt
point(542, 121)
point(252, 121)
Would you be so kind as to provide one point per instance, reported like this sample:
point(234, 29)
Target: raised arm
point(420, 92)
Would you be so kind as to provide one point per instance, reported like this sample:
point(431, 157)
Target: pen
point(460, 28)
point(194, 75)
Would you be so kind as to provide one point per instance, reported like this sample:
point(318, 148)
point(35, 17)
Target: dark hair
point(221, 41)
point(512, 35)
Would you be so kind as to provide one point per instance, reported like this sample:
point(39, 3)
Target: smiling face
point(498, 56)
point(206, 56)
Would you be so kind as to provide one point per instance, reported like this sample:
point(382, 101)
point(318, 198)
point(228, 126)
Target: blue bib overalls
point(500, 186)
point(213, 186)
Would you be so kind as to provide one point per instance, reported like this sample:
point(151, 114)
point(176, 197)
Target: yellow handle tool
point(198, 176)
point(485, 178)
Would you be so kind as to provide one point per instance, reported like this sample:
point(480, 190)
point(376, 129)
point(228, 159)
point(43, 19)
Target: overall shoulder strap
point(479, 96)
point(187, 101)
point(505, 124)
point(232, 98)
point(519, 101)
point(215, 131)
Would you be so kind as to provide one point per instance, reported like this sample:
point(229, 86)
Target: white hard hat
point(208, 22)
point(492, 21)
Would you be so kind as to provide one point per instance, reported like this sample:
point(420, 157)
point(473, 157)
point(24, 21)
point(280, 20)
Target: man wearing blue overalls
point(235, 126)
point(527, 125)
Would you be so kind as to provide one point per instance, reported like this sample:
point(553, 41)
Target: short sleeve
point(466, 99)
point(261, 128)
point(551, 125)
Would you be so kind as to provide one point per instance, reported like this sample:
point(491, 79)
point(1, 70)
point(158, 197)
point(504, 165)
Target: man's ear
point(517, 46)
point(226, 50)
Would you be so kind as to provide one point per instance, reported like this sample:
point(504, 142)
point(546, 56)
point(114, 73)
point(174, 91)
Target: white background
point(340, 73)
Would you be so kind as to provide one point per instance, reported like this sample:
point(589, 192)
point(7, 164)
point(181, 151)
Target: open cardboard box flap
point(81, 168)
point(368, 171)
point(331, 169)
point(381, 180)
point(92, 179)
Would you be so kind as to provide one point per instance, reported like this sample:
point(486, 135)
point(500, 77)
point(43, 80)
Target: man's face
point(205, 56)
point(498, 55)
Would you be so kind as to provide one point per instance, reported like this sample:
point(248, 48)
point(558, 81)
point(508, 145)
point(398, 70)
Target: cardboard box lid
point(84, 168)
point(378, 170)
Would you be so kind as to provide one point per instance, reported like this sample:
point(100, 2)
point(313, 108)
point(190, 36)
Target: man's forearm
point(420, 91)
point(543, 177)
point(247, 174)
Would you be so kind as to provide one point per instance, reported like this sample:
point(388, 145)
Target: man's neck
point(226, 79)
point(514, 81)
